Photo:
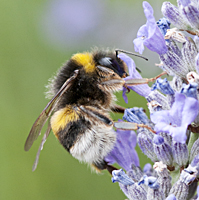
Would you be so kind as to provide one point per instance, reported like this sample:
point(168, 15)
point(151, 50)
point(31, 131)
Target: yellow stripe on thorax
point(86, 60)
point(62, 117)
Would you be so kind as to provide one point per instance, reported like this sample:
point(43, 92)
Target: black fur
point(84, 89)
point(68, 135)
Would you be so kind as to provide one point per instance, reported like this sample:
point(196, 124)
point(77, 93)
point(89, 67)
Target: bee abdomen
point(88, 138)
point(94, 144)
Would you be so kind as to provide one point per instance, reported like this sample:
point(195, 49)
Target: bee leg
point(104, 165)
point(96, 115)
point(131, 82)
point(117, 109)
point(110, 168)
point(131, 126)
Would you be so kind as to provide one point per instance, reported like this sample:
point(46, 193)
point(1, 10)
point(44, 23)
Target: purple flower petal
point(124, 152)
point(149, 34)
point(176, 120)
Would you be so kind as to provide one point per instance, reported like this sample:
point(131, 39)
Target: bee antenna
point(130, 53)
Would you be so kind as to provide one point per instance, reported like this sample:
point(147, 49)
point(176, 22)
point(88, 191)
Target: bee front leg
point(131, 82)
point(131, 126)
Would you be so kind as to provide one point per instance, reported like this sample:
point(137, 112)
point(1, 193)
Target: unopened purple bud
point(145, 142)
point(130, 116)
point(173, 14)
point(163, 25)
point(159, 98)
point(180, 190)
point(180, 153)
point(190, 12)
point(190, 90)
point(164, 179)
point(174, 63)
point(171, 197)
point(162, 150)
point(137, 192)
point(172, 44)
point(167, 138)
point(155, 194)
point(158, 140)
point(176, 83)
point(135, 173)
point(189, 52)
point(139, 112)
point(120, 176)
point(163, 85)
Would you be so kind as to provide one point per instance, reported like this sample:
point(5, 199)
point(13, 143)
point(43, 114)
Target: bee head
point(112, 62)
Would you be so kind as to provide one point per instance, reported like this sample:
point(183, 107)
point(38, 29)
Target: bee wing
point(43, 117)
point(46, 134)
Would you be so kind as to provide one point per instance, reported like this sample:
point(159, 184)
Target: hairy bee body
point(82, 98)
point(81, 120)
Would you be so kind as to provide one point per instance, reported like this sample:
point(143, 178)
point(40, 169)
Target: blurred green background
point(36, 38)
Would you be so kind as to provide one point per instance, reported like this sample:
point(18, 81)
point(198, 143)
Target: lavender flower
point(149, 35)
point(173, 111)
point(163, 85)
point(124, 148)
point(176, 120)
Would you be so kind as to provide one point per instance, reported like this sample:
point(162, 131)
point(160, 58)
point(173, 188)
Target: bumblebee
point(80, 108)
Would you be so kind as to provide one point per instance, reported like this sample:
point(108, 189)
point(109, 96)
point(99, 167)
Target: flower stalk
point(170, 136)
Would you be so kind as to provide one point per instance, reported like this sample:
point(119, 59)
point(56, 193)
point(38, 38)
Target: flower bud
point(161, 99)
point(180, 153)
point(190, 12)
point(137, 192)
point(145, 142)
point(180, 190)
point(173, 14)
point(162, 150)
point(189, 52)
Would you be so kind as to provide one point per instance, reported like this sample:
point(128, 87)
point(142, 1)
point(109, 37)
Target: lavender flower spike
point(149, 35)
point(176, 120)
